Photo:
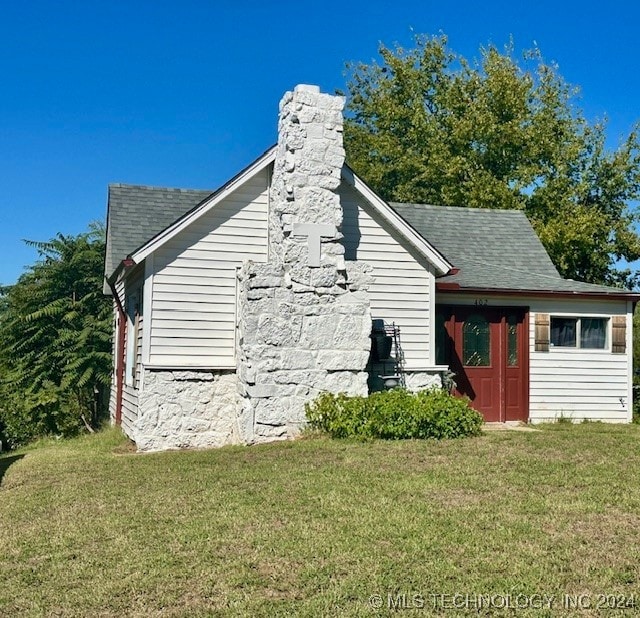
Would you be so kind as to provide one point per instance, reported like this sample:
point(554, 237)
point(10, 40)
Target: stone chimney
point(304, 318)
point(306, 215)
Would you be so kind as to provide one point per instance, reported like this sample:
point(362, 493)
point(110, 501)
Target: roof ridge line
point(465, 208)
point(157, 188)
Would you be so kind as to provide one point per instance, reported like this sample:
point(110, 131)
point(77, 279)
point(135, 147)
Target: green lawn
point(316, 527)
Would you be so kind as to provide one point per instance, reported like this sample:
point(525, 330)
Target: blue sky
point(185, 93)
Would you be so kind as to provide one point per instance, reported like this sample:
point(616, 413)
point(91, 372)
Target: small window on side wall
point(585, 333)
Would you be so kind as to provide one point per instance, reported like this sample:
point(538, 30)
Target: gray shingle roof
point(494, 249)
point(137, 213)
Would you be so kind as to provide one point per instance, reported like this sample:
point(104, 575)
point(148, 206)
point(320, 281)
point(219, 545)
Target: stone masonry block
point(277, 331)
point(317, 332)
point(333, 360)
point(349, 382)
point(297, 359)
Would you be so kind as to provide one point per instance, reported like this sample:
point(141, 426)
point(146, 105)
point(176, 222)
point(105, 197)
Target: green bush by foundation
point(394, 415)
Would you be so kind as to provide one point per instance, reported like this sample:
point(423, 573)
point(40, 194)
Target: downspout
point(120, 352)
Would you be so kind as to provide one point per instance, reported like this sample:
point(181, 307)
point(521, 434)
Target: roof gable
point(203, 207)
point(141, 219)
point(402, 225)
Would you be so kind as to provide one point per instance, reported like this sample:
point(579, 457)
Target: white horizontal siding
point(194, 281)
point(195, 315)
point(572, 383)
point(138, 375)
point(575, 383)
point(186, 361)
point(114, 357)
point(129, 409)
point(129, 393)
point(401, 289)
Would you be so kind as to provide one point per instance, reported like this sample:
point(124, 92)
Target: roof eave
point(452, 287)
point(122, 269)
point(165, 235)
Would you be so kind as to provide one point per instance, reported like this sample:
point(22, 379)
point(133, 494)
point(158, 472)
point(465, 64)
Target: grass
point(315, 527)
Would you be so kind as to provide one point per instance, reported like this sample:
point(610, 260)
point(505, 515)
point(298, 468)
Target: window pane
point(593, 333)
point(563, 332)
point(512, 341)
point(475, 342)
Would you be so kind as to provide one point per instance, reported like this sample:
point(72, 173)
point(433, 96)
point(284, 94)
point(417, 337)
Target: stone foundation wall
point(421, 380)
point(187, 409)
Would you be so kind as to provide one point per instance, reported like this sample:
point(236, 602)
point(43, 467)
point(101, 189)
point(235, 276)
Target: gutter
point(456, 287)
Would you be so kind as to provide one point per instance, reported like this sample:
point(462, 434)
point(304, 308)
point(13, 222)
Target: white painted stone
point(271, 411)
point(187, 409)
point(333, 360)
point(349, 329)
point(307, 88)
point(278, 331)
point(317, 331)
point(359, 275)
point(264, 282)
point(269, 433)
point(313, 378)
point(349, 382)
point(297, 359)
point(324, 277)
point(307, 341)
point(421, 380)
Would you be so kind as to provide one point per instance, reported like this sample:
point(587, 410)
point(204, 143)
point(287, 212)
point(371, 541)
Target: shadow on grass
point(5, 462)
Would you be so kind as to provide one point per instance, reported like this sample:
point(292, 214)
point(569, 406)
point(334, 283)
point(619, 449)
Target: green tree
point(55, 350)
point(426, 125)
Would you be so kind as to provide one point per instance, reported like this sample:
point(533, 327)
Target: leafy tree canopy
point(55, 329)
point(426, 125)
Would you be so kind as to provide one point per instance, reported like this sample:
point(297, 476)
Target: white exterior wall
point(570, 382)
point(575, 383)
point(403, 286)
point(114, 360)
point(193, 282)
point(129, 394)
point(130, 391)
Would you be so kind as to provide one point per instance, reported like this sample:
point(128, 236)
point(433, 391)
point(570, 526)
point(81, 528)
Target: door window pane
point(563, 332)
point(593, 333)
point(476, 350)
point(441, 339)
point(512, 341)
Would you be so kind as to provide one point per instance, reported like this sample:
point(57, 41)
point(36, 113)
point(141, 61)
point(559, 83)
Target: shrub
point(394, 415)
point(25, 417)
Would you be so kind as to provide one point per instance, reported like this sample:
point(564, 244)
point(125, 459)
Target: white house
point(234, 308)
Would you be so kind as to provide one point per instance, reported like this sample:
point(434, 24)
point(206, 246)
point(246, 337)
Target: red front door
point(488, 352)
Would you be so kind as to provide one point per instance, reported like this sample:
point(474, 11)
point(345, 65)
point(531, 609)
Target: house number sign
point(481, 302)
